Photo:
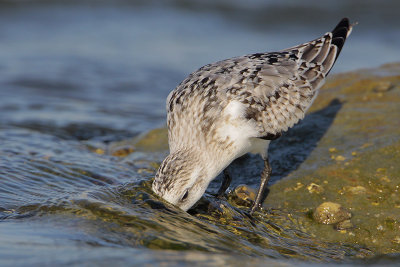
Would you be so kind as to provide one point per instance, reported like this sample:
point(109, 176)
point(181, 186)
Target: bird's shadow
point(288, 152)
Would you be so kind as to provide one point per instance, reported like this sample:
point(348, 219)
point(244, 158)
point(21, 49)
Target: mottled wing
point(283, 85)
point(274, 89)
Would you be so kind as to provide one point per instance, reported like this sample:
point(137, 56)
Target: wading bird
point(229, 108)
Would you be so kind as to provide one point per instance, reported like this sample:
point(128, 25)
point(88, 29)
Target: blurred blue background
point(112, 63)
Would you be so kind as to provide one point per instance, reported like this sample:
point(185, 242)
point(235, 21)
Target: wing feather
point(275, 89)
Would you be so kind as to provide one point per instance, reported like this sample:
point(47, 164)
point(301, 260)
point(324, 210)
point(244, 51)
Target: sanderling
point(234, 106)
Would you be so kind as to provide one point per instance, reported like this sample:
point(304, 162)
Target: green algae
point(358, 163)
point(154, 140)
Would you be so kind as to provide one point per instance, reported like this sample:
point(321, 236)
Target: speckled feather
point(253, 96)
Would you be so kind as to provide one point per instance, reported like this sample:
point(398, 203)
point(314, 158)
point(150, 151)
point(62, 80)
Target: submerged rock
point(245, 193)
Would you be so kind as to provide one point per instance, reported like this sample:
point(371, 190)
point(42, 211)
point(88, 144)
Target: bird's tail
point(316, 58)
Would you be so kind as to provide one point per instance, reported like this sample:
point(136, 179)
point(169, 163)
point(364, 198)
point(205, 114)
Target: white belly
point(240, 133)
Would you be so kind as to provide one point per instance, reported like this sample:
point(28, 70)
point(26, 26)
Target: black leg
point(265, 175)
point(225, 184)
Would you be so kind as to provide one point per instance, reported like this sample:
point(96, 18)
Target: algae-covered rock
point(356, 161)
point(343, 225)
point(245, 193)
point(122, 151)
point(154, 140)
point(330, 213)
point(315, 188)
point(356, 190)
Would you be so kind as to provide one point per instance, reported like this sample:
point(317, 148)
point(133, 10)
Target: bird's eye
point(185, 195)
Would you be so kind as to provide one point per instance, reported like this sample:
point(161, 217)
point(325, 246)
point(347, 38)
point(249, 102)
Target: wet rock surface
point(245, 193)
point(330, 213)
point(356, 163)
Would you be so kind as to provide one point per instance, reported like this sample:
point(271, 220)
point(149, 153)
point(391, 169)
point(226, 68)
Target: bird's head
point(181, 180)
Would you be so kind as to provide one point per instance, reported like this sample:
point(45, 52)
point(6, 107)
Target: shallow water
point(56, 192)
point(77, 77)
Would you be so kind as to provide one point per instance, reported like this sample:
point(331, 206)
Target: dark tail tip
point(340, 33)
point(344, 23)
